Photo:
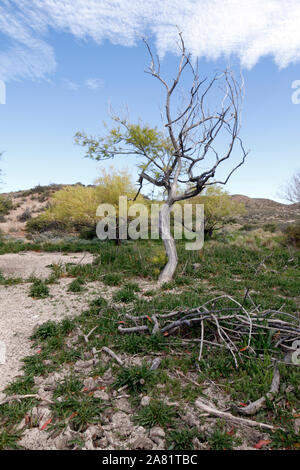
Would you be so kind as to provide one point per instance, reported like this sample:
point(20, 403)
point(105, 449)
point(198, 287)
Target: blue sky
point(63, 62)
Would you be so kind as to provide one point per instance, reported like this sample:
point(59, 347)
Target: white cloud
point(94, 83)
point(248, 29)
point(70, 85)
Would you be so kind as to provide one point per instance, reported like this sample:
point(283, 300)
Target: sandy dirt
point(20, 313)
point(27, 264)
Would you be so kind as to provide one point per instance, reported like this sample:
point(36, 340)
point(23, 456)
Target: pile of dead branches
point(231, 326)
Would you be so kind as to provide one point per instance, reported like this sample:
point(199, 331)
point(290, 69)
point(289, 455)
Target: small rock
point(145, 401)
point(123, 405)
point(297, 425)
point(161, 444)
point(34, 439)
point(120, 422)
point(89, 384)
point(61, 442)
point(191, 421)
point(102, 443)
point(94, 432)
point(161, 386)
point(102, 395)
point(157, 434)
point(79, 365)
point(88, 445)
point(139, 439)
point(198, 445)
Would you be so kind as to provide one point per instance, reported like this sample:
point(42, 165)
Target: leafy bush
point(73, 208)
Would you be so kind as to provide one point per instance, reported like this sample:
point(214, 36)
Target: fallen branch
point(257, 405)
point(86, 337)
point(225, 415)
point(21, 397)
point(232, 326)
point(113, 355)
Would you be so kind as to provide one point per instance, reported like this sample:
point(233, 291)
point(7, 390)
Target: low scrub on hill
point(6, 206)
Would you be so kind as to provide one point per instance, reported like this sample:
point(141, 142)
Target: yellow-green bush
point(74, 207)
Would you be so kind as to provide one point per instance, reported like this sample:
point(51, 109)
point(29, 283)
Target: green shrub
point(88, 232)
point(292, 234)
point(41, 224)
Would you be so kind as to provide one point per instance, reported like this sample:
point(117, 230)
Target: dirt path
point(31, 263)
point(20, 314)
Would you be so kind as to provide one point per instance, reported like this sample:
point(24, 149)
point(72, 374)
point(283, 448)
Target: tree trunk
point(164, 230)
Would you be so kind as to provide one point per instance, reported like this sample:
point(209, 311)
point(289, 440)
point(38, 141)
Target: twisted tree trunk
point(164, 230)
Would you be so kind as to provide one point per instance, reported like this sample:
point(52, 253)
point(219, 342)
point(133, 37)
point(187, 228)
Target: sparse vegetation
point(6, 205)
point(122, 279)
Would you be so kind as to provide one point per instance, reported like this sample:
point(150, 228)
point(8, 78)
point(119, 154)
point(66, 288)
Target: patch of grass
point(39, 289)
point(157, 413)
point(136, 343)
point(35, 366)
point(221, 440)
point(10, 281)
point(287, 439)
point(76, 285)
point(181, 439)
point(79, 410)
point(12, 413)
point(9, 441)
point(112, 279)
point(71, 385)
point(125, 295)
point(137, 378)
point(21, 386)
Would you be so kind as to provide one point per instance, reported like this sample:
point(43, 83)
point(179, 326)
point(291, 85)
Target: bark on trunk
point(164, 229)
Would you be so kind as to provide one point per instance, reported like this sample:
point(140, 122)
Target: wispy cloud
point(248, 29)
point(94, 83)
point(70, 85)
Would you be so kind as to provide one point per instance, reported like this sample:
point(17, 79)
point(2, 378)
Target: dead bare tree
point(184, 158)
point(291, 192)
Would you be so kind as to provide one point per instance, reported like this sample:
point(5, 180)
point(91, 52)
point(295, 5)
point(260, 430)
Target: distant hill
point(260, 210)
